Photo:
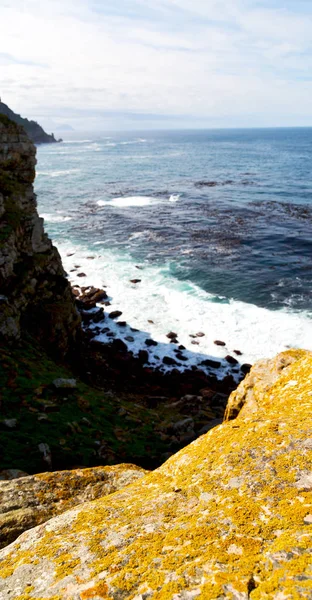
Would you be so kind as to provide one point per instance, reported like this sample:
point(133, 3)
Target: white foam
point(58, 173)
point(77, 141)
point(186, 309)
point(128, 201)
point(55, 218)
point(174, 198)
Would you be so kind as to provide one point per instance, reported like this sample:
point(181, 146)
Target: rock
point(208, 362)
point(181, 356)
point(99, 295)
point(115, 314)
point(119, 346)
point(219, 343)
point(183, 425)
point(135, 280)
point(45, 450)
point(10, 423)
point(143, 356)
point(200, 334)
point(150, 321)
point(122, 324)
point(171, 335)
point(245, 368)
point(40, 302)
point(9, 474)
point(261, 378)
point(150, 342)
point(231, 360)
point(181, 347)
point(95, 316)
point(129, 338)
point(227, 517)
point(237, 352)
point(81, 275)
point(213, 423)
point(32, 500)
point(65, 384)
point(195, 343)
point(167, 360)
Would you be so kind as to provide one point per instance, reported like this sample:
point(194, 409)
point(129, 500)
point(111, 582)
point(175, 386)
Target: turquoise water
point(219, 221)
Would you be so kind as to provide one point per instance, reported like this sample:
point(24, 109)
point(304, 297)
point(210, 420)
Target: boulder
point(31, 500)
point(228, 517)
point(261, 378)
point(115, 314)
point(172, 335)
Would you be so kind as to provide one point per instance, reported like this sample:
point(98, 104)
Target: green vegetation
point(82, 427)
point(32, 128)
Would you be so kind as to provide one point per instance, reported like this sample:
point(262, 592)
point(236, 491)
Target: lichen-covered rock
point(228, 517)
point(261, 378)
point(32, 279)
point(29, 501)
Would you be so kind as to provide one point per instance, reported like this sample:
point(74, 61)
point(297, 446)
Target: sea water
point(217, 225)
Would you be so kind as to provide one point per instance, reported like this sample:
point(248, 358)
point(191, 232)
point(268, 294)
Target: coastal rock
point(115, 314)
point(39, 298)
point(172, 335)
point(261, 378)
point(228, 517)
point(31, 500)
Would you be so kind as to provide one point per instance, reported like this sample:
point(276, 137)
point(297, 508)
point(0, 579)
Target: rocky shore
point(137, 413)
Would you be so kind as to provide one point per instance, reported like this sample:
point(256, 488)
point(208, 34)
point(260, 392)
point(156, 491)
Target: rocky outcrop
point(258, 382)
point(34, 293)
point(229, 517)
point(32, 128)
point(29, 501)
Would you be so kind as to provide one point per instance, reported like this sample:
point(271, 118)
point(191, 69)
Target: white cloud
point(223, 62)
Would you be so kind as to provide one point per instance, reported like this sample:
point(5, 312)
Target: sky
point(146, 64)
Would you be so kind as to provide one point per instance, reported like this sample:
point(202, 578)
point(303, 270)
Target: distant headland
point(32, 128)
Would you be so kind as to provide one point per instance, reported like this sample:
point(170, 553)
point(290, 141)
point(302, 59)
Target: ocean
point(216, 225)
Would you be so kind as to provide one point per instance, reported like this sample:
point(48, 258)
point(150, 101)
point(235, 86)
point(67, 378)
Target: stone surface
point(39, 298)
point(259, 381)
point(31, 500)
point(226, 518)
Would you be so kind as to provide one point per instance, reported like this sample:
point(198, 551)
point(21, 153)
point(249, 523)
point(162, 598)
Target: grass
point(85, 427)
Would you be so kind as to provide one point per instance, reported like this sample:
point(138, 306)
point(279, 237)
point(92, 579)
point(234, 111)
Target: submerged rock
point(227, 517)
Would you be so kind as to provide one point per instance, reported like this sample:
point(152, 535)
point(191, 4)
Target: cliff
point(32, 128)
point(35, 296)
point(228, 518)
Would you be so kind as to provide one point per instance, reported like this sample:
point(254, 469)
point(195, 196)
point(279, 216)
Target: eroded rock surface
point(35, 295)
point(258, 382)
point(32, 500)
point(228, 517)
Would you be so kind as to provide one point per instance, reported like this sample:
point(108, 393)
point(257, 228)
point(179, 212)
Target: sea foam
point(160, 303)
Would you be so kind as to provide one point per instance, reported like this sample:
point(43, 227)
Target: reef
point(228, 517)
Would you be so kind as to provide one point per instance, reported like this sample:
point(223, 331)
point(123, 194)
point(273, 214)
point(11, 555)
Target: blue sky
point(115, 64)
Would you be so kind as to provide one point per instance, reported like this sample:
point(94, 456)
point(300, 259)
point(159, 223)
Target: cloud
point(8, 59)
point(232, 62)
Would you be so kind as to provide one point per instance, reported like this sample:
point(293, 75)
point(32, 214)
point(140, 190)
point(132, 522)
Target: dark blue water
point(244, 213)
point(225, 212)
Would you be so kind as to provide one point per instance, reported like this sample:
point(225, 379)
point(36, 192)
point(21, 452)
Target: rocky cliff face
point(32, 128)
point(35, 296)
point(227, 518)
